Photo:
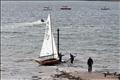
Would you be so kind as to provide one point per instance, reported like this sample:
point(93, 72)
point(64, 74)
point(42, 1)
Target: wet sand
point(70, 73)
point(75, 74)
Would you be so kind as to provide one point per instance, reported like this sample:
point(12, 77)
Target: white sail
point(48, 47)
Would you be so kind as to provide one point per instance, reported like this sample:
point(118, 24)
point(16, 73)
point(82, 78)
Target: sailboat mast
point(58, 41)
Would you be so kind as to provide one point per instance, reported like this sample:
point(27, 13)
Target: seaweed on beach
point(66, 75)
point(36, 78)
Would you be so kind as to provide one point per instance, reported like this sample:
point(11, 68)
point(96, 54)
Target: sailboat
point(49, 51)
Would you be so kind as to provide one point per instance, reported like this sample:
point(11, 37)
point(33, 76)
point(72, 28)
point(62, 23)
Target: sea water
point(85, 31)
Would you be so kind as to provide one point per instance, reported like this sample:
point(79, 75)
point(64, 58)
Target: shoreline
point(62, 73)
point(76, 74)
point(72, 73)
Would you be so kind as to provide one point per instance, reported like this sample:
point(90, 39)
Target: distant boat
point(49, 51)
point(65, 8)
point(47, 8)
point(105, 8)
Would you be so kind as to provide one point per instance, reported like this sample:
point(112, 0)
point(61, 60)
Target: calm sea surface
point(85, 31)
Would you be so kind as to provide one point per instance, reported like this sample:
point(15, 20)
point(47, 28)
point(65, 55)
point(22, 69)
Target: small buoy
point(42, 20)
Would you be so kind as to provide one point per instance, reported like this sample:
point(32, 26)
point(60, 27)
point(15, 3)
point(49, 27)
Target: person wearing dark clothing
point(60, 57)
point(71, 58)
point(90, 63)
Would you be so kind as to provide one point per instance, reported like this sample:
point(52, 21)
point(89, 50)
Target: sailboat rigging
point(49, 51)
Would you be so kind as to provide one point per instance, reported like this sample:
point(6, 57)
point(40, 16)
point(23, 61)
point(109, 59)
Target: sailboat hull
point(48, 62)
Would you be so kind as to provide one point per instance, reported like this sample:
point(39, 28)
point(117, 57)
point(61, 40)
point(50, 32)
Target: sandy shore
point(75, 74)
point(70, 73)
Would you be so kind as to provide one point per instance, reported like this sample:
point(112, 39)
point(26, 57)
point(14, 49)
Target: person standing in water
point(60, 57)
point(90, 63)
point(71, 58)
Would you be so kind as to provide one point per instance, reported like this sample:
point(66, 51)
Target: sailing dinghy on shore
point(49, 53)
